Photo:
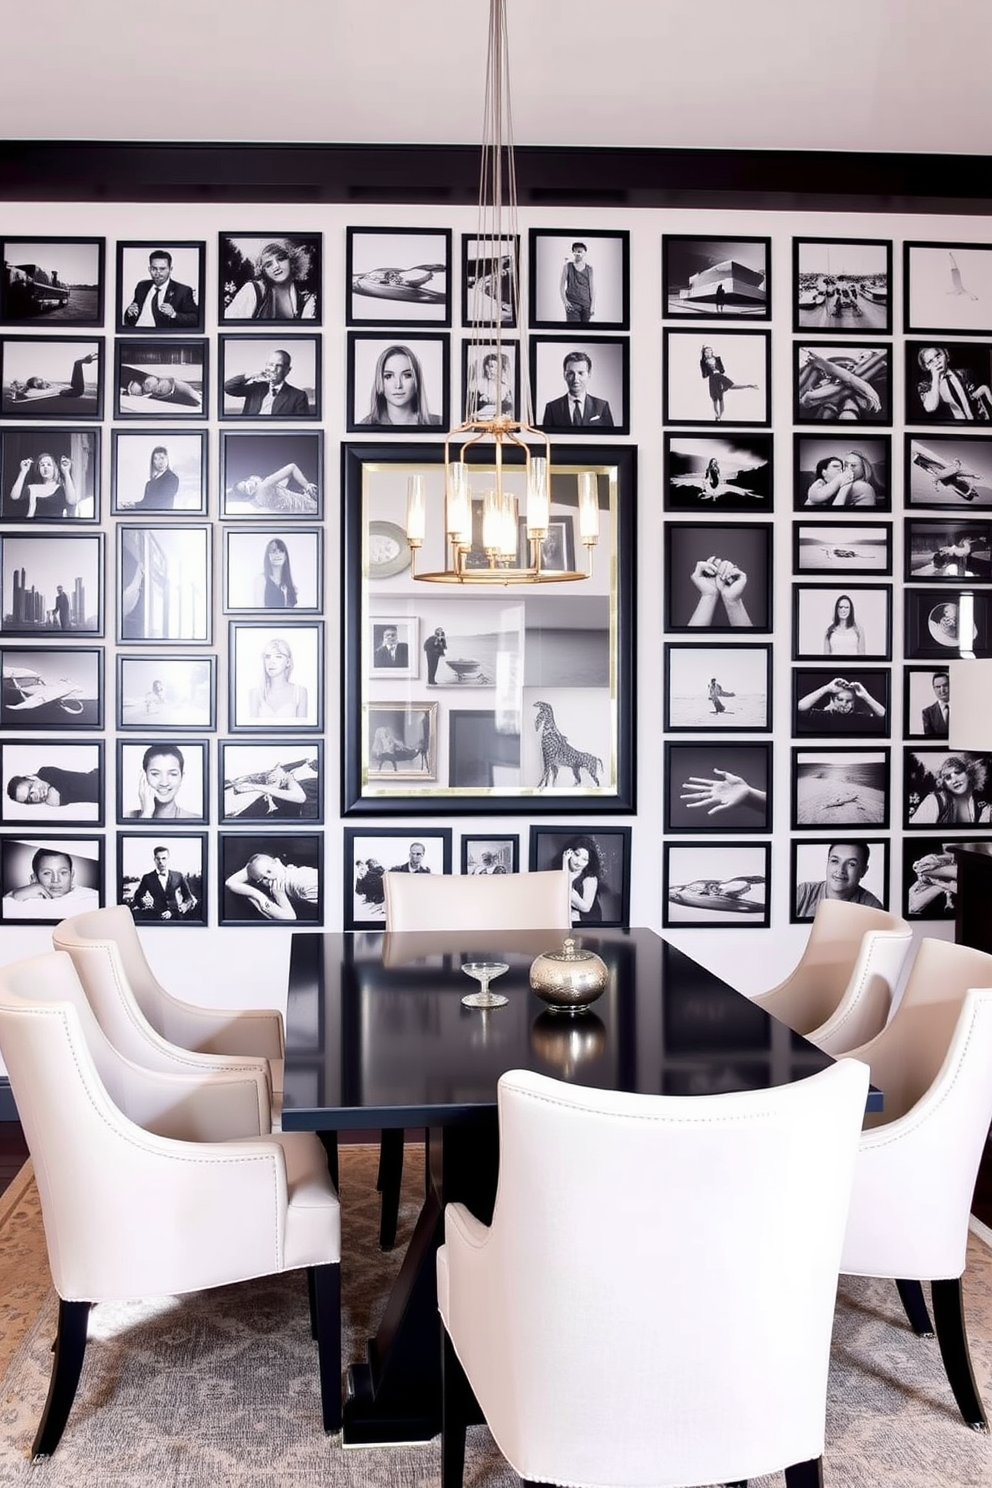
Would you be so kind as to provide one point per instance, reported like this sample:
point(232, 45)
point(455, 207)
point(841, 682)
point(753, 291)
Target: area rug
point(220, 1390)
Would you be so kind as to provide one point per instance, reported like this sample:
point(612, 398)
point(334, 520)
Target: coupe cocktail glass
point(484, 972)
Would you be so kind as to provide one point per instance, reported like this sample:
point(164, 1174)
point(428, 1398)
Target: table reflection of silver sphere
point(567, 1043)
point(461, 666)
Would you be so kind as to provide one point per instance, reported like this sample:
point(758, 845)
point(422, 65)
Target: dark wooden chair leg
point(805, 1474)
point(948, 1315)
point(913, 1301)
point(312, 1301)
point(327, 1298)
point(67, 1364)
point(456, 1397)
point(388, 1182)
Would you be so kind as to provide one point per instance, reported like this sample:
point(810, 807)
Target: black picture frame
point(933, 620)
point(45, 687)
point(605, 847)
point(378, 358)
point(52, 377)
point(248, 643)
point(52, 281)
point(167, 692)
point(869, 463)
point(716, 885)
point(948, 550)
point(866, 711)
point(52, 585)
point(401, 740)
point(606, 391)
point(398, 276)
point(965, 399)
point(829, 548)
point(822, 392)
point(947, 288)
point(948, 470)
point(479, 260)
point(490, 853)
point(842, 286)
point(80, 446)
point(723, 788)
point(716, 473)
point(170, 905)
point(364, 907)
point(253, 789)
point(923, 716)
point(479, 393)
point(257, 481)
point(245, 286)
point(585, 677)
point(243, 385)
point(164, 583)
point(840, 788)
point(810, 860)
point(696, 379)
point(162, 378)
point(930, 877)
point(139, 482)
point(167, 776)
point(814, 609)
point(696, 700)
point(692, 580)
point(86, 854)
point(696, 270)
point(606, 253)
point(251, 583)
point(64, 783)
point(179, 311)
point(928, 796)
point(301, 853)
point(557, 549)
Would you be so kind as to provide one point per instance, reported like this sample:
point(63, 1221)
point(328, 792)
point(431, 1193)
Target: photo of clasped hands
point(719, 579)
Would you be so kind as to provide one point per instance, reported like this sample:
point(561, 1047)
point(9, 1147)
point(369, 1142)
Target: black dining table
point(377, 1038)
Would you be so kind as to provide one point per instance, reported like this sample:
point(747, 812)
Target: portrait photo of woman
point(162, 782)
point(946, 789)
point(397, 385)
point(152, 473)
point(276, 674)
point(270, 570)
point(270, 279)
point(598, 865)
point(49, 475)
point(853, 622)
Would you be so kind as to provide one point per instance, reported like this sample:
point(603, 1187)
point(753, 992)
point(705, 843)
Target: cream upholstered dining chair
point(448, 901)
point(919, 1156)
point(592, 1283)
point(130, 1213)
point(840, 993)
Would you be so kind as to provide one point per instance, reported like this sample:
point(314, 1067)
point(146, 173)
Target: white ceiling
point(891, 75)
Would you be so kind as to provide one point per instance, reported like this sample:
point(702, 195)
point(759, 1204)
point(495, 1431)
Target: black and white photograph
point(597, 861)
point(949, 470)
point(369, 853)
point(42, 377)
point(947, 287)
point(484, 751)
point(160, 287)
point(398, 276)
point(162, 880)
point(719, 884)
point(272, 474)
point(52, 281)
point(489, 854)
point(718, 787)
point(930, 878)
point(401, 741)
point(162, 780)
point(52, 585)
point(948, 549)
point(580, 387)
point(853, 870)
point(847, 623)
point(715, 376)
point(927, 702)
point(829, 473)
point(842, 384)
point(44, 687)
point(272, 879)
point(856, 704)
point(715, 278)
point(719, 689)
point(580, 277)
point(273, 570)
point(164, 472)
point(943, 624)
point(394, 646)
point(842, 285)
point(840, 788)
point(841, 548)
point(49, 475)
point(490, 280)
point(270, 277)
point(491, 380)
point(276, 676)
point(269, 377)
point(948, 382)
point(718, 577)
point(161, 379)
point(944, 788)
point(164, 583)
point(48, 878)
point(167, 692)
point(267, 784)
point(398, 385)
point(481, 639)
point(557, 546)
point(47, 783)
point(719, 472)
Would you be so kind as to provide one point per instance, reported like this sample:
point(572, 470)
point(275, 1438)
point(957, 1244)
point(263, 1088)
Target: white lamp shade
point(970, 716)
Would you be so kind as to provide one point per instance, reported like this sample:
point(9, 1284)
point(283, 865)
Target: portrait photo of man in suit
point(267, 393)
point(161, 303)
point(389, 650)
point(578, 409)
point(935, 716)
point(162, 893)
